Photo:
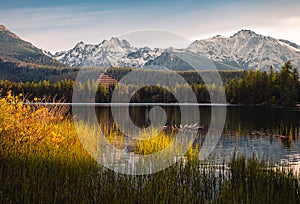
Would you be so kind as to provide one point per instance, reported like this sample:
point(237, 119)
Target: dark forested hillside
point(20, 72)
point(192, 77)
point(14, 49)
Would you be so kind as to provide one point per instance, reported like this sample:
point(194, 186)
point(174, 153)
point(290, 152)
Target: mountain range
point(109, 53)
point(246, 50)
point(243, 50)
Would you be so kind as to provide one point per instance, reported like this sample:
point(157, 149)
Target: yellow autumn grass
point(45, 131)
point(37, 130)
point(152, 141)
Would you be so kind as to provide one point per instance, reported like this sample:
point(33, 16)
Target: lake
point(264, 131)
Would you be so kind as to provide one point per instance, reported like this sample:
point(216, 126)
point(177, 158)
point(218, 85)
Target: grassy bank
point(43, 161)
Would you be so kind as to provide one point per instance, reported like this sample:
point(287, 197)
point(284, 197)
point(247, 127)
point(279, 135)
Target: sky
point(58, 25)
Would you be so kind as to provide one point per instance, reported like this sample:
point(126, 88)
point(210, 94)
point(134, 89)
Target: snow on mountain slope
point(289, 46)
point(246, 49)
point(243, 50)
point(294, 45)
point(108, 53)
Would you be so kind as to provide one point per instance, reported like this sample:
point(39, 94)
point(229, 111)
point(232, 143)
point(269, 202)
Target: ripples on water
point(247, 130)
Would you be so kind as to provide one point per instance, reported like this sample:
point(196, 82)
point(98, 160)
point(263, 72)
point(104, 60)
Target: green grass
point(55, 179)
point(57, 169)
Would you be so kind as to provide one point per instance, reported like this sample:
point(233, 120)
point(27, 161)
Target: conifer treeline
point(280, 88)
point(251, 88)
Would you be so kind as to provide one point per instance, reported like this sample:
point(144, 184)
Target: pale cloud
point(292, 21)
point(271, 20)
point(61, 28)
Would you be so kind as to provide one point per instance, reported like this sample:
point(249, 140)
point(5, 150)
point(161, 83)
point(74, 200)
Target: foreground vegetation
point(42, 160)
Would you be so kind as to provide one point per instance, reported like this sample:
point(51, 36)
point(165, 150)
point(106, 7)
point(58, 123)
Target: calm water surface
point(244, 131)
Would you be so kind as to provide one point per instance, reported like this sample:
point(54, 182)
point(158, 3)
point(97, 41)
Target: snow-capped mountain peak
point(112, 52)
point(245, 33)
point(243, 50)
point(247, 49)
point(115, 44)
